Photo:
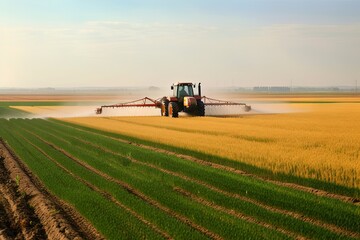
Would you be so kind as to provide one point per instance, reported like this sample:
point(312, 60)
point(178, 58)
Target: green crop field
point(7, 112)
point(48, 103)
point(132, 190)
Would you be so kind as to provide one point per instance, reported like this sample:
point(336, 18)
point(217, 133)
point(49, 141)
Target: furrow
point(3, 235)
point(12, 212)
point(17, 217)
point(135, 192)
point(56, 225)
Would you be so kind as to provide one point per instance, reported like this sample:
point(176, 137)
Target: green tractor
point(183, 100)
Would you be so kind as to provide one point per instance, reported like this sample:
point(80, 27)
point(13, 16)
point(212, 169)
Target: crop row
point(157, 193)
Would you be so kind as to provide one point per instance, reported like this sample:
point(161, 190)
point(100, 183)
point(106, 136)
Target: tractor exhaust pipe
point(199, 89)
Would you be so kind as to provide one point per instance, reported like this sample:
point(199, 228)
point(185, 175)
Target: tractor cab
point(181, 90)
point(183, 100)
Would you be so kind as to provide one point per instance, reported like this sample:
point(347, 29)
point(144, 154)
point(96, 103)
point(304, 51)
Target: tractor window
point(185, 90)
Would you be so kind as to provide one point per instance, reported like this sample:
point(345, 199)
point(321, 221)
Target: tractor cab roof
point(183, 84)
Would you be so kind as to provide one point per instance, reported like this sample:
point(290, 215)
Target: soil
point(29, 211)
point(17, 217)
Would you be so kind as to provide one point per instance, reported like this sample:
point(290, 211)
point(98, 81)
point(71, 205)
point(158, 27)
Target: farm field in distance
point(289, 175)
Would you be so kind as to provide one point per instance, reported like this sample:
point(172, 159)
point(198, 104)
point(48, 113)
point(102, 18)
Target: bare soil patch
point(17, 217)
point(40, 215)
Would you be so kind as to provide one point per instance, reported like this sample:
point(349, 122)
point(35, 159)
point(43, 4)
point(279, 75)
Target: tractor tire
point(173, 110)
point(166, 107)
point(200, 108)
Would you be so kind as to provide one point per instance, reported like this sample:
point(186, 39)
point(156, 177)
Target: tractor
point(183, 100)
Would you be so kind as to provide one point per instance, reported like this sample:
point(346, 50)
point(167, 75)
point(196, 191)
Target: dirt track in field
point(17, 218)
point(32, 212)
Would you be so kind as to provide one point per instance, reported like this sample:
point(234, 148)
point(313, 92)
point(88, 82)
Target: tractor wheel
point(201, 108)
point(173, 110)
point(247, 108)
point(166, 108)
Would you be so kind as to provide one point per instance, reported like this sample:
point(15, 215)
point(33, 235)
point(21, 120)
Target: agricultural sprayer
point(182, 100)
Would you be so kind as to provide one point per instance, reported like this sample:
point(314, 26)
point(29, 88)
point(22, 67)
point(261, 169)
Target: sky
point(221, 43)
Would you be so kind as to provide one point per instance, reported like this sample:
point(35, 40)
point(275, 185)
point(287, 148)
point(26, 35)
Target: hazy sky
point(80, 43)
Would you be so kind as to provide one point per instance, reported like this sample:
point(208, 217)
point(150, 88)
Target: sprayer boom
point(183, 100)
point(143, 102)
point(215, 102)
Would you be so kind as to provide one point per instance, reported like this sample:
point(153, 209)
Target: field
point(321, 144)
point(274, 176)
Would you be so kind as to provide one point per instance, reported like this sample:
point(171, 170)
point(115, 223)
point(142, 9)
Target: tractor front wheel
point(173, 110)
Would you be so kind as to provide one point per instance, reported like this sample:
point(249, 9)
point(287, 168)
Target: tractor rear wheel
point(166, 107)
point(201, 108)
point(247, 108)
point(173, 110)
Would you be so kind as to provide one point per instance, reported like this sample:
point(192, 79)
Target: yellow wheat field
point(321, 143)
